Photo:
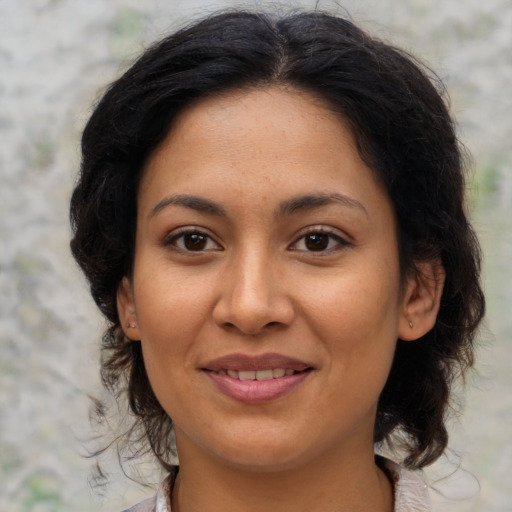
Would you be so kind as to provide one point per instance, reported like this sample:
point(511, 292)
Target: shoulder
point(411, 492)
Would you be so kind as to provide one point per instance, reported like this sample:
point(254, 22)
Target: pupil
point(195, 242)
point(317, 242)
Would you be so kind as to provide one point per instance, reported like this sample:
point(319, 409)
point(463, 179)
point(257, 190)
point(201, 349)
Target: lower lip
point(257, 391)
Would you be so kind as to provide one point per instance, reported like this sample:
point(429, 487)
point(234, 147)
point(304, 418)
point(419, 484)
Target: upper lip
point(255, 362)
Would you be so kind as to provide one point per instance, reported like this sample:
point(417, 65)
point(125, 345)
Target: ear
point(126, 310)
point(421, 300)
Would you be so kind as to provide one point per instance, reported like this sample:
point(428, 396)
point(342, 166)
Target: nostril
point(252, 313)
point(251, 330)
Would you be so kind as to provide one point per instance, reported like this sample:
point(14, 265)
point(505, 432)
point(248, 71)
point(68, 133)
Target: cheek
point(356, 316)
point(169, 303)
point(361, 301)
point(168, 325)
point(170, 317)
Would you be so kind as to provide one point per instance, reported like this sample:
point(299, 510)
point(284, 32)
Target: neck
point(334, 484)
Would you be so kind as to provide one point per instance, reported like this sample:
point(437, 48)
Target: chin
point(253, 453)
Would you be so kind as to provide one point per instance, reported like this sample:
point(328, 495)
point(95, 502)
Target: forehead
point(263, 138)
point(282, 119)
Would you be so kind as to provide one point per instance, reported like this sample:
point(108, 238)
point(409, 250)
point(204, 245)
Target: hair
point(398, 112)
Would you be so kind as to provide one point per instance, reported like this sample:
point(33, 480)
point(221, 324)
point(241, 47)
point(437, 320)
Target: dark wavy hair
point(398, 113)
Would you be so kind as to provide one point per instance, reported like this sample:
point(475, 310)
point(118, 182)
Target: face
point(266, 285)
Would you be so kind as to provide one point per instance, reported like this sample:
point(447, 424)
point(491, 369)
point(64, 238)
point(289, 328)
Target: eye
point(319, 241)
point(193, 241)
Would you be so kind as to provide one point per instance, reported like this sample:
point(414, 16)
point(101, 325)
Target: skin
point(255, 283)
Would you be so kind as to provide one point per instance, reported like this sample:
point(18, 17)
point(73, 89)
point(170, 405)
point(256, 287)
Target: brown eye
point(320, 241)
point(193, 241)
point(317, 241)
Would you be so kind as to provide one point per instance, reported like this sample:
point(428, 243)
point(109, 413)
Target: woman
point(271, 216)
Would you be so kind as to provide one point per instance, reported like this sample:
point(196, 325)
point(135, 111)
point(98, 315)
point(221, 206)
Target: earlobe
point(126, 310)
point(421, 301)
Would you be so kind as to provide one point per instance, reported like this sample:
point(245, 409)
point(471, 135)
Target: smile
point(267, 374)
point(256, 379)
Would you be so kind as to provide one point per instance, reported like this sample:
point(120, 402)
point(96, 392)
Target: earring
point(411, 325)
point(128, 325)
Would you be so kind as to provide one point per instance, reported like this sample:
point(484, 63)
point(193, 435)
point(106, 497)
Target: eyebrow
point(312, 201)
point(288, 207)
point(193, 202)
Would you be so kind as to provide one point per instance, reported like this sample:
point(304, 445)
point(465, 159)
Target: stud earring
point(411, 325)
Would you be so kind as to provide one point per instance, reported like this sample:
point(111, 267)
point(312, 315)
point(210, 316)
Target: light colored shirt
point(410, 492)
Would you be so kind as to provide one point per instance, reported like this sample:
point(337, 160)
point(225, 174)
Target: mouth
point(266, 374)
point(257, 379)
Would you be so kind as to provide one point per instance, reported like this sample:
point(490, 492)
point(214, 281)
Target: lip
point(254, 391)
point(259, 362)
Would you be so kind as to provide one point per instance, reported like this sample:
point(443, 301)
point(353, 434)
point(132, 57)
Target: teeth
point(247, 375)
point(270, 373)
point(264, 375)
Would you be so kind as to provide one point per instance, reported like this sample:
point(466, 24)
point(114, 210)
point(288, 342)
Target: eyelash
point(175, 237)
point(340, 242)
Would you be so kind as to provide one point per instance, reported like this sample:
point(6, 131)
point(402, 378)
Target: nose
point(253, 297)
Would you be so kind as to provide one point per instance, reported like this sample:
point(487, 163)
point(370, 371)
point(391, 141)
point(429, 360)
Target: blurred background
point(56, 56)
